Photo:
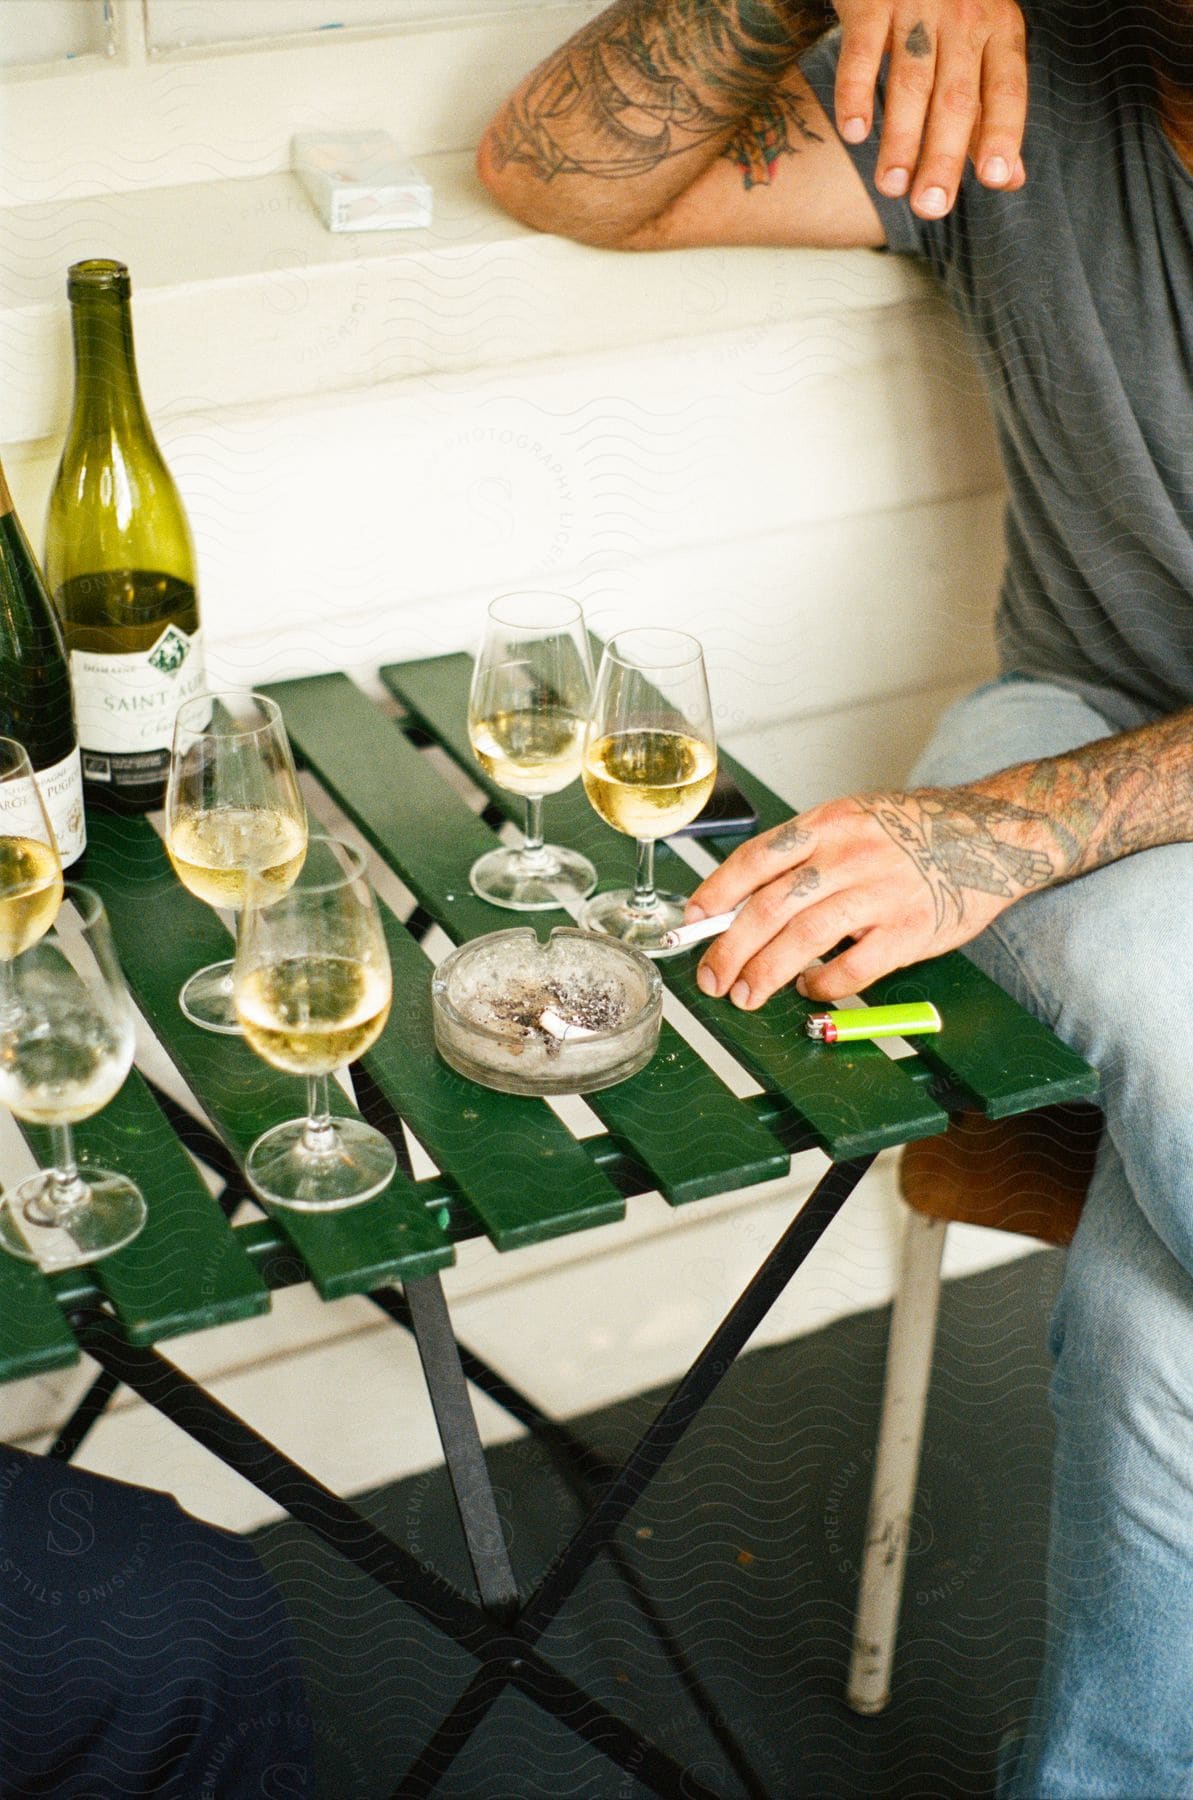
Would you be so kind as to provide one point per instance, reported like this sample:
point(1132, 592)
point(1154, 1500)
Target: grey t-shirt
point(1077, 296)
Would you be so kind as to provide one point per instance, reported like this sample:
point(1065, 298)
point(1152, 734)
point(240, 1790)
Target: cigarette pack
point(360, 180)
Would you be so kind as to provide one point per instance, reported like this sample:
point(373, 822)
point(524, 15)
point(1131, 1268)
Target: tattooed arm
point(910, 875)
point(665, 122)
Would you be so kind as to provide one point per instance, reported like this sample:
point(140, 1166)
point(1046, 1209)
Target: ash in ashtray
point(566, 1017)
point(565, 1006)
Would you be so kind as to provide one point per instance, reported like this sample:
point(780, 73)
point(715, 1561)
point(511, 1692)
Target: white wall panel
point(47, 31)
point(178, 24)
point(241, 295)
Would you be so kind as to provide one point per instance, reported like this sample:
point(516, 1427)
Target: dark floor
point(748, 1541)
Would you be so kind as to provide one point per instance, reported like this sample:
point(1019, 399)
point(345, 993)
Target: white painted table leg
point(896, 1464)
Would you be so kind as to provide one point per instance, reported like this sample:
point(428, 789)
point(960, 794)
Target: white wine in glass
point(527, 707)
point(650, 761)
point(66, 1045)
point(30, 872)
point(233, 809)
point(313, 988)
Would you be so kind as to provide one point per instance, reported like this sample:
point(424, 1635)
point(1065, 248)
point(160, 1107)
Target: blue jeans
point(1105, 961)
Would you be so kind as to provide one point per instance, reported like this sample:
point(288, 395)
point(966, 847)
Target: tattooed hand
point(904, 875)
point(956, 87)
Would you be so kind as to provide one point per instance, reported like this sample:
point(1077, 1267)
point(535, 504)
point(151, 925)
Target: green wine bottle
point(119, 559)
point(36, 706)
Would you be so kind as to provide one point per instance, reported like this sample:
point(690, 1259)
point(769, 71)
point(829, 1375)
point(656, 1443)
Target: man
point(1048, 826)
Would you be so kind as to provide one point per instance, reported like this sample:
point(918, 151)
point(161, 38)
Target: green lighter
point(873, 1022)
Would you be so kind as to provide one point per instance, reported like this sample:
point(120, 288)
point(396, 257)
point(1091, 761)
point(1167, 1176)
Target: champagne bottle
point(36, 706)
point(119, 559)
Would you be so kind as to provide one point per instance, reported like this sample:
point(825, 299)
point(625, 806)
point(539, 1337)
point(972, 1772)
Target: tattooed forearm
point(1119, 794)
point(645, 82)
point(1044, 822)
point(760, 141)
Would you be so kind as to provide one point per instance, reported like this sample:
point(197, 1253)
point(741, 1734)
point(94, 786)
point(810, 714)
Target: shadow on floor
point(748, 1541)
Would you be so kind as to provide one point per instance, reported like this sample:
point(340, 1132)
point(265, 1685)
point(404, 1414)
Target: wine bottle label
point(126, 704)
point(61, 789)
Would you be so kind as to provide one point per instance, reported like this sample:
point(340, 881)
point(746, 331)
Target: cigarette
point(557, 1027)
point(873, 1022)
point(698, 930)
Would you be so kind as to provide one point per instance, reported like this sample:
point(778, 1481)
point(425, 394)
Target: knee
point(1122, 1332)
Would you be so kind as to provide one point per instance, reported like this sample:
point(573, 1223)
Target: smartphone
point(726, 812)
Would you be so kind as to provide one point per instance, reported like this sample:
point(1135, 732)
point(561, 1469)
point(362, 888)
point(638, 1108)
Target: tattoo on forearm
point(918, 42)
point(1118, 795)
point(1039, 823)
point(637, 86)
point(956, 839)
point(788, 837)
point(761, 140)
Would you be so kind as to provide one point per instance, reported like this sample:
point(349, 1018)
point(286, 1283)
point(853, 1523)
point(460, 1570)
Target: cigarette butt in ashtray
point(557, 1027)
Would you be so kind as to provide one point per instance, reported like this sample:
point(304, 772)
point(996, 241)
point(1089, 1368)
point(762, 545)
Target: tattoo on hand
point(952, 837)
point(788, 837)
point(632, 89)
point(918, 42)
point(804, 881)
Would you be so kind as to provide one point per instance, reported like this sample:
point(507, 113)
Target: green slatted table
point(508, 1168)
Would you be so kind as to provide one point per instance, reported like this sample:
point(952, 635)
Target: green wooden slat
point(854, 1103)
point(521, 1172)
point(34, 1336)
point(1001, 1057)
point(164, 934)
point(677, 1117)
point(185, 1270)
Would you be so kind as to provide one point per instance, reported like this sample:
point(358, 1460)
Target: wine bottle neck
point(106, 385)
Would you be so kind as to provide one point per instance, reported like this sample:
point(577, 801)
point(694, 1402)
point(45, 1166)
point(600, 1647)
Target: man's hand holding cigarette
point(902, 875)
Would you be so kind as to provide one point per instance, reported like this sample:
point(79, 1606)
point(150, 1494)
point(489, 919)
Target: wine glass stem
point(533, 854)
point(9, 1010)
point(645, 899)
point(319, 1134)
point(65, 1190)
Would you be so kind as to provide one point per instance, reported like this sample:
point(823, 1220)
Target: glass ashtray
point(568, 1016)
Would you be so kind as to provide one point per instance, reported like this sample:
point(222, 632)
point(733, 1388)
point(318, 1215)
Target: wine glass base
point(109, 1218)
point(282, 1170)
point(615, 915)
point(552, 878)
point(206, 999)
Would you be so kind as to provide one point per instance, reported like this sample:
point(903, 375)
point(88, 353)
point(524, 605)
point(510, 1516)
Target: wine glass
point(650, 760)
point(526, 710)
point(233, 807)
point(30, 872)
point(66, 1045)
point(312, 987)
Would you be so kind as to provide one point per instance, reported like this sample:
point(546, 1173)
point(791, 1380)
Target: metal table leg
point(348, 1532)
point(466, 1466)
point(647, 1457)
point(507, 1653)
